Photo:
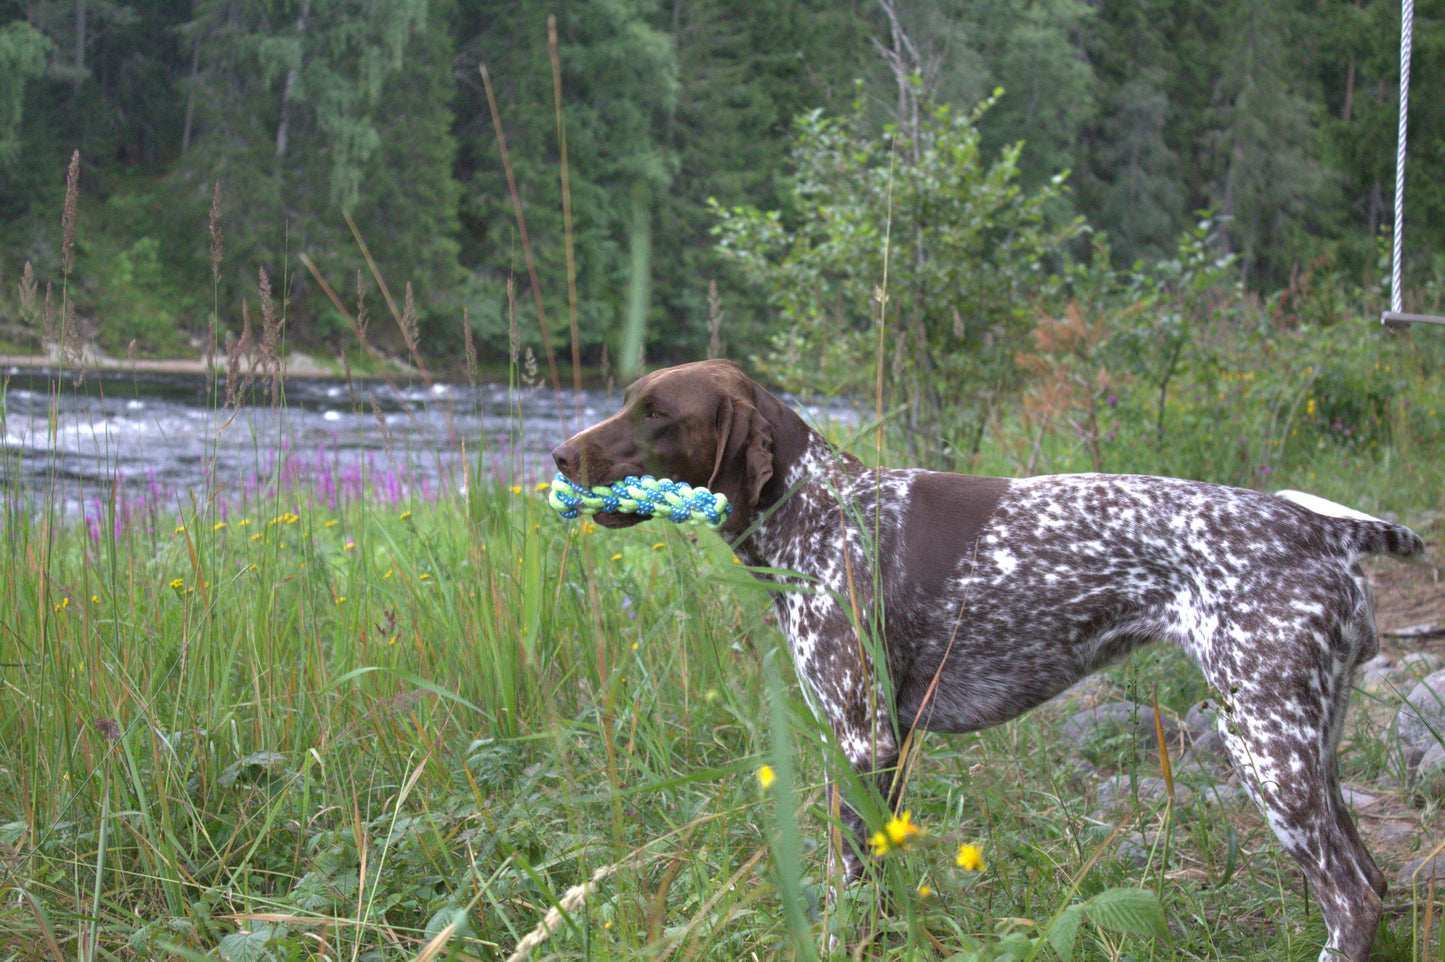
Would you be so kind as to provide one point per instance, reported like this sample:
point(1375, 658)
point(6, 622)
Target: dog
point(992, 595)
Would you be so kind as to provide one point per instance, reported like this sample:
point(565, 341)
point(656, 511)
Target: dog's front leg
point(837, 672)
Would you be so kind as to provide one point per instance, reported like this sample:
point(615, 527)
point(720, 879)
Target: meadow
point(305, 727)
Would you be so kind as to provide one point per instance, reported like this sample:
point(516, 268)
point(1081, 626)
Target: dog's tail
point(1362, 533)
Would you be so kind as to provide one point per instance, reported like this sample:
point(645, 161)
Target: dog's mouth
point(610, 519)
point(616, 519)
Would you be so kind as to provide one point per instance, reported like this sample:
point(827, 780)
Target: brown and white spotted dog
point(993, 595)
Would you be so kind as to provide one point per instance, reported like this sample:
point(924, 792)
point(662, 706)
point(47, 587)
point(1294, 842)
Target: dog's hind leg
point(1282, 724)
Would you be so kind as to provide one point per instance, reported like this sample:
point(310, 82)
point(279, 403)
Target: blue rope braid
point(648, 496)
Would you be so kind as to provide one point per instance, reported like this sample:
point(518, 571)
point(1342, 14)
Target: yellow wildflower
point(766, 776)
point(896, 834)
point(969, 858)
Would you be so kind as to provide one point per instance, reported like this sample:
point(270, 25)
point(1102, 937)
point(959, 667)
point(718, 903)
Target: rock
point(1428, 776)
point(1087, 730)
point(1422, 870)
point(1385, 675)
point(1430, 630)
point(1088, 692)
point(1206, 743)
point(1115, 790)
point(1134, 850)
point(1356, 799)
point(1416, 724)
point(1371, 675)
point(1422, 663)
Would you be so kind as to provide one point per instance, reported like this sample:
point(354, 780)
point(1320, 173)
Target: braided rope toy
point(647, 496)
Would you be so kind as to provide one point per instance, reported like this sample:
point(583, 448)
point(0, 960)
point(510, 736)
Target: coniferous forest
point(317, 126)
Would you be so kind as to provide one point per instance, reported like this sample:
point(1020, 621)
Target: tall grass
point(295, 726)
point(377, 730)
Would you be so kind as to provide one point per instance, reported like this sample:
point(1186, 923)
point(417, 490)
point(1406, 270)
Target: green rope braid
point(646, 495)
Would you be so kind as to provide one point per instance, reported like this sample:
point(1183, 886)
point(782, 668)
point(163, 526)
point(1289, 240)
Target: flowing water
point(166, 438)
point(162, 441)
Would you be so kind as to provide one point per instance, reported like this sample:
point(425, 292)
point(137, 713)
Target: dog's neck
point(807, 472)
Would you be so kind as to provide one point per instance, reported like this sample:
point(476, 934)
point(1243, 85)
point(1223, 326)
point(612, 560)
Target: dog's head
point(697, 423)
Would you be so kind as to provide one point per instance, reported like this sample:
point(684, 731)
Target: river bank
point(295, 364)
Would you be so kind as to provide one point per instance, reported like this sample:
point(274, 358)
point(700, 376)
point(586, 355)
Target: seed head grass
point(335, 717)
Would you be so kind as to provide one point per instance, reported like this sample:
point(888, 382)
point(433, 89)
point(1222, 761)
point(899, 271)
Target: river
point(162, 440)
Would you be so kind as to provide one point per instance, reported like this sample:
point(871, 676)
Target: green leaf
point(1131, 911)
point(1064, 929)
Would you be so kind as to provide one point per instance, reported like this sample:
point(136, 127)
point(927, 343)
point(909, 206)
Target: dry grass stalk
point(410, 330)
point(572, 900)
point(72, 351)
point(271, 322)
point(28, 291)
point(68, 215)
point(376, 412)
point(470, 344)
point(215, 226)
point(49, 323)
point(237, 349)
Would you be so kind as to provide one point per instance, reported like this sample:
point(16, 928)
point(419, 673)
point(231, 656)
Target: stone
point(1417, 723)
point(1116, 790)
point(1427, 778)
point(1206, 743)
point(1085, 730)
point(1421, 870)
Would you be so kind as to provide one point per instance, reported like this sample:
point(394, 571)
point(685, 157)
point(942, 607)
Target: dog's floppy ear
point(744, 459)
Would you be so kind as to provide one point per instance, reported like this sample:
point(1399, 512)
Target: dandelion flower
point(969, 858)
point(896, 834)
point(766, 776)
point(924, 891)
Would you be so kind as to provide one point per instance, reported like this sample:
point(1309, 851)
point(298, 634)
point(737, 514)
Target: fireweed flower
point(969, 858)
point(898, 833)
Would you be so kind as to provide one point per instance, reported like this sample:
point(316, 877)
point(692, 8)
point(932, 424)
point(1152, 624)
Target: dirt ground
point(1410, 613)
point(1408, 595)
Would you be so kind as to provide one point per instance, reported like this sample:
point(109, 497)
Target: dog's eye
point(652, 414)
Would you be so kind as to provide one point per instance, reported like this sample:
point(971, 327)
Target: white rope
point(1407, 22)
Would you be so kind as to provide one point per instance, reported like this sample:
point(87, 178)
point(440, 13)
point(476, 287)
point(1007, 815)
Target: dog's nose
point(566, 456)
